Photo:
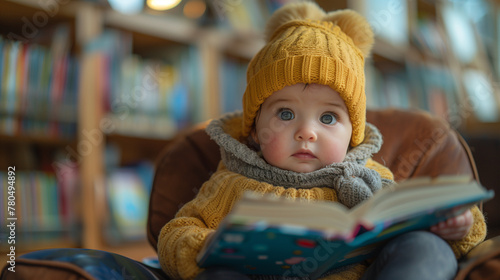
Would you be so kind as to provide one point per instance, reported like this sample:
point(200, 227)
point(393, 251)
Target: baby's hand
point(454, 228)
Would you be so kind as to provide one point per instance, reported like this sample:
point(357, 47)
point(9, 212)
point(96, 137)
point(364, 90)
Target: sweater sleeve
point(475, 236)
point(182, 238)
point(178, 244)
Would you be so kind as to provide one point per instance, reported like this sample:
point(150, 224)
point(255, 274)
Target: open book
point(278, 236)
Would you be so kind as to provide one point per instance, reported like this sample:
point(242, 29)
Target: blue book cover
point(277, 236)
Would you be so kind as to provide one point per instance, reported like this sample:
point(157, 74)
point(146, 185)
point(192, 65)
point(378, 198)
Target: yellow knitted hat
point(307, 45)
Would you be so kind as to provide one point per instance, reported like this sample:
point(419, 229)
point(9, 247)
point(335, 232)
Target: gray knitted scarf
point(352, 181)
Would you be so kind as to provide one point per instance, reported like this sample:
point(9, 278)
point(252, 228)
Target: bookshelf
point(426, 69)
point(100, 131)
point(107, 124)
point(32, 130)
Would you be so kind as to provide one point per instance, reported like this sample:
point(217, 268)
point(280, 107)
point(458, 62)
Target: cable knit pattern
point(351, 179)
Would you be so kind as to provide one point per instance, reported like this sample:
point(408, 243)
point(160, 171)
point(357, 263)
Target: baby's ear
point(252, 141)
point(355, 26)
point(253, 134)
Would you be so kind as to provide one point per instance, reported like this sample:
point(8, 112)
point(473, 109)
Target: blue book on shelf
point(128, 201)
point(277, 236)
point(3, 50)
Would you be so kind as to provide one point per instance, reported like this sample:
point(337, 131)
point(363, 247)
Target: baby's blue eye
point(286, 115)
point(328, 118)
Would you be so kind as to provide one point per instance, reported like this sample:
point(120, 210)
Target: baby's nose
point(306, 133)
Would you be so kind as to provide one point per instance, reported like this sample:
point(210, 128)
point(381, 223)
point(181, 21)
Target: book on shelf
point(387, 89)
point(233, 84)
point(245, 15)
point(388, 21)
point(127, 191)
point(428, 38)
point(278, 236)
point(153, 95)
point(38, 88)
point(480, 92)
point(44, 208)
point(435, 89)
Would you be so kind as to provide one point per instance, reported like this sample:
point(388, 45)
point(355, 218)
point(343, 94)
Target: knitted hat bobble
point(307, 45)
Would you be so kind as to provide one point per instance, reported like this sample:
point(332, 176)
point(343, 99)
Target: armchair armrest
point(482, 262)
point(78, 264)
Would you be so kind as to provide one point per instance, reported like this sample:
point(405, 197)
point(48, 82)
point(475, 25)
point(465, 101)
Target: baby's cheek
point(273, 151)
point(332, 155)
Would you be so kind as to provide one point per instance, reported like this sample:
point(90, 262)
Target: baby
point(303, 135)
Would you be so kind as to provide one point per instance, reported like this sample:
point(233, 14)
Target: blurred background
point(92, 91)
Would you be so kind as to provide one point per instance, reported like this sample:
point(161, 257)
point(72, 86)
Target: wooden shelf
point(182, 31)
point(37, 139)
point(134, 149)
point(174, 29)
point(388, 51)
point(472, 127)
point(13, 11)
point(33, 246)
point(25, 20)
point(135, 250)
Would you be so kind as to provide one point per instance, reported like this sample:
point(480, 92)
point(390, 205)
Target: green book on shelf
point(277, 236)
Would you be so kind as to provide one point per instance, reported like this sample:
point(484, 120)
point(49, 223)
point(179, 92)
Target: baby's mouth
point(304, 154)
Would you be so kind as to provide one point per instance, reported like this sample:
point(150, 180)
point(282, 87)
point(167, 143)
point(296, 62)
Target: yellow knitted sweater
point(182, 238)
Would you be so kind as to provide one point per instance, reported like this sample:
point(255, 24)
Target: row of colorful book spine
point(151, 97)
point(43, 206)
point(38, 90)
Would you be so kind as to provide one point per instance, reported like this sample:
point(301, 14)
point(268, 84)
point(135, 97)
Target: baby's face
point(303, 128)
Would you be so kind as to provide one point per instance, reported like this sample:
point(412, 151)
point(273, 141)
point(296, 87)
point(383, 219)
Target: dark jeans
point(221, 274)
point(414, 255)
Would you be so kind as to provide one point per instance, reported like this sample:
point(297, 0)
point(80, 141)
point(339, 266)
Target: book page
point(414, 197)
point(330, 217)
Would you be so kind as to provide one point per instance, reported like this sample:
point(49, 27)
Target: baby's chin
point(305, 168)
point(309, 168)
point(299, 167)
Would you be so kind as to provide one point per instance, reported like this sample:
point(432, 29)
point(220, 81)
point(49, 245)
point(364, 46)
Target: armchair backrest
point(415, 144)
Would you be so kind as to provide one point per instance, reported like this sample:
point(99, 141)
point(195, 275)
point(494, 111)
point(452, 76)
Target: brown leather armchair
point(415, 144)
